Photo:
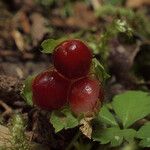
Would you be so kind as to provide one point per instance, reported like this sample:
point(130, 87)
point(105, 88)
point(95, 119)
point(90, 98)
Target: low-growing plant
point(115, 123)
point(16, 138)
point(136, 20)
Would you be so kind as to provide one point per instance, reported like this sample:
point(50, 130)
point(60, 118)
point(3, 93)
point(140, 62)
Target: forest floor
point(24, 24)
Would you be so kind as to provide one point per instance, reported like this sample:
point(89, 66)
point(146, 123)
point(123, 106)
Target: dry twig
point(7, 108)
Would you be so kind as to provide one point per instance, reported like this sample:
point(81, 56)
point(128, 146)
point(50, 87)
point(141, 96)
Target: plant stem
point(73, 141)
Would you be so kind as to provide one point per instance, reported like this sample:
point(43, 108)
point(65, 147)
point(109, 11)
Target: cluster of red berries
point(69, 81)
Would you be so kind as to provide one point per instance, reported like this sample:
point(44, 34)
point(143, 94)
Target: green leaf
point(111, 135)
point(106, 116)
point(99, 70)
point(27, 90)
point(113, 2)
point(49, 45)
point(63, 119)
point(131, 106)
point(144, 134)
point(70, 121)
point(57, 121)
point(114, 136)
point(94, 47)
point(129, 135)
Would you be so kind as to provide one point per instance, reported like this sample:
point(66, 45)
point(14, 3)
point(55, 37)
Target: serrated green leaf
point(131, 106)
point(129, 134)
point(145, 142)
point(57, 121)
point(27, 90)
point(111, 135)
point(63, 119)
point(144, 134)
point(114, 136)
point(49, 45)
point(99, 70)
point(70, 121)
point(144, 131)
point(106, 116)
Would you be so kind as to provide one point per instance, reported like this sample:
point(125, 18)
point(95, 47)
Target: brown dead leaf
point(38, 28)
point(137, 3)
point(85, 122)
point(96, 4)
point(4, 136)
point(21, 20)
point(86, 127)
point(19, 41)
point(83, 17)
point(24, 22)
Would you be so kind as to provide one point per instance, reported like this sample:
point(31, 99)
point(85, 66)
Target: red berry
point(72, 58)
point(84, 96)
point(50, 90)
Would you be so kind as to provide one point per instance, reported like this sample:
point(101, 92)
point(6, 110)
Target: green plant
point(137, 20)
point(16, 138)
point(128, 108)
point(116, 123)
point(41, 90)
point(100, 47)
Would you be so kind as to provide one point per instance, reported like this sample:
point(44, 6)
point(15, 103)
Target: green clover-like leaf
point(106, 116)
point(114, 136)
point(144, 134)
point(63, 119)
point(111, 135)
point(131, 106)
point(129, 134)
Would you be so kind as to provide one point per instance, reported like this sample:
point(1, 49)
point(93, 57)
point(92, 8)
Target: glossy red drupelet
point(85, 96)
point(72, 58)
point(50, 90)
